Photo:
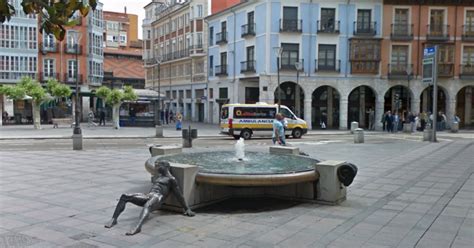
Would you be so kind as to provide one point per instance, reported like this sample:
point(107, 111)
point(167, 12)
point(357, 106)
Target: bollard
point(358, 135)
point(407, 127)
point(455, 127)
point(427, 133)
point(188, 136)
point(159, 131)
point(354, 125)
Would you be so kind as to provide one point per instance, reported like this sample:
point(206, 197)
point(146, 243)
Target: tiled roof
point(124, 68)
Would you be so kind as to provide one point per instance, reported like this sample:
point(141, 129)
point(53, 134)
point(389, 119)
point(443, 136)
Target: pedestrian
point(133, 115)
point(371, 119)
point(396, 122)
point(412, 120)
point(167, 116)
point(179, 119)
point(172, 116)
point(444, 121)
point(389, 121)
point(278, 135)
point(102, 117)
point(384, 121)
point(162, 116)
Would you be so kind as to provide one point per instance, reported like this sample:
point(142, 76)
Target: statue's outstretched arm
point(180, 197)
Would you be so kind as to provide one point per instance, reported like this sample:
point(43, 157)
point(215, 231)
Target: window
point(290, 19)
point(365, 56)
point(290, 55)
point(199, 40)
point(223, 94)
point(250, 18)
point(211, 92)
point(401, 25)
point(224, 27)
point(399, 59)
point(327, 57)
point(328, 19)
point(48, 67)
point(224, 58)
point(364, 19)
point(250, 53)
point(468, 55)
point(123, 38)
point(72, 69)
point(211, 65)
point(211, 36)
point(199, 10)
point(286, 113)
point(437, 22)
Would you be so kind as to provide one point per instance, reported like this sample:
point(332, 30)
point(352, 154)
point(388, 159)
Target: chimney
point(125, 9)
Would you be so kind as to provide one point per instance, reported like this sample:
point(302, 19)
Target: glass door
point(327, 58)
point(399, 60)
point(401, 24)
point(436, 22)
point(364, 19)
point(328, 19)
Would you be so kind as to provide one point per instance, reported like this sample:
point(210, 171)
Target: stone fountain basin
point(257, 169)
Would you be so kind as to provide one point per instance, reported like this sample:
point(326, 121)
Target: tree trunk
point(116, 116)
point(36, 114)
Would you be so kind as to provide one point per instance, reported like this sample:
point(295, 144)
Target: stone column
point(297, 101)
point(343, 102)
point(425, 101)
point(362, 107)
point(330, 107)
point(467, 106)
point(415, 105)
point(379, 110)
point(451, 109)
point(307, 113)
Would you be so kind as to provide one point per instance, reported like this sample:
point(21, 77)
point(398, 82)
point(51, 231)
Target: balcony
point(291, 25)
point(49, 47)
point(330, 27)
point(365, 66)
point(399, 71)
point(365, 28)
point(437, 32)
point(327, 66)
point(221, 70)
point(290, 65)
point(248, 30)
point(180, 54)
point(445, 69)
point(466, 71)
point(71, 79)
point(43, 77)
point(73, 49)
point(467, 33)
point(196, 50)
point(221, 38)
point(247, 66)
point(401, 32)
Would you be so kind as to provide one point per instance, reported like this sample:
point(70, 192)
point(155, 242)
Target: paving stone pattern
point(407, 194)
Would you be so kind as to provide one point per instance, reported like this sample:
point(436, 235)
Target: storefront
point(140, 113)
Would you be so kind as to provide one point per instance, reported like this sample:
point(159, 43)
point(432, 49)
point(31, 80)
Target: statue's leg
point(138, 199)
point(149, 206)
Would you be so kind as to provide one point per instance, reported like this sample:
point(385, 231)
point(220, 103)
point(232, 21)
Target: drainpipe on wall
point(311, 38)
point(347, 37)
point(236, 92)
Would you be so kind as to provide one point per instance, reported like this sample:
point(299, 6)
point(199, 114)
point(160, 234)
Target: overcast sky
point(133, 7)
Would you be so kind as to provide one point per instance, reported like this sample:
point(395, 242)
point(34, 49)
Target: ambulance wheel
point(297, 133)
point(246, 134)
point(236, 137)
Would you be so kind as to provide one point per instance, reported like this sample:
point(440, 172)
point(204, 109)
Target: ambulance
point(248, 120)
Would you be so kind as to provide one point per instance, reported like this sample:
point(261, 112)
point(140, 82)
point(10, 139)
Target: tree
point(53, 14)
point(115, 97)
point(39, 95)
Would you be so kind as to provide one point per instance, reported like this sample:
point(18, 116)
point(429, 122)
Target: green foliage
point(116, 96)
point(27, 86)
point(54, 15)
point(57, 89)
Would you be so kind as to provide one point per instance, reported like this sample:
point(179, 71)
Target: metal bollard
point(354, 126)
point(359, 135)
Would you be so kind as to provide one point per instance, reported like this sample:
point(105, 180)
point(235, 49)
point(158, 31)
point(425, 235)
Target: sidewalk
point(204, 131)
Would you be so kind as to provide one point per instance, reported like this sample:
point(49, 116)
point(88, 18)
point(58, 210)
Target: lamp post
point(409, 71)
point(158, 61)
point(77, 132)
point(299, 67)
point(278, 51)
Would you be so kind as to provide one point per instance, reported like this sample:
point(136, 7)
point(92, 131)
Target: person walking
point(278, 135)
point(172, 117)
point(389, 121)
point(167, 116)
point(395, 122)
point(371, 119)
point(423, 120)
point(102, 117)
point(384, 121)
point(179, 119)
point(412, 120)
point(133, 115)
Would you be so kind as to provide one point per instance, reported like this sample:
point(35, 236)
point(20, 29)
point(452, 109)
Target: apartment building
point(411, 26)
point(18, 56)
point(339, 60)
point(175, 55)
point(123, 63)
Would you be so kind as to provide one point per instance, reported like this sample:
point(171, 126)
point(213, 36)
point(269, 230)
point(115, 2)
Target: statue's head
point(162, 167)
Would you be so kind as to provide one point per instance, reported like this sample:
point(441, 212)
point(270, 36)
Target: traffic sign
point(429, 64)
point(429, 51)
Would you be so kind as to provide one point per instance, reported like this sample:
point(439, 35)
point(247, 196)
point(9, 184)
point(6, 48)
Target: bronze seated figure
point(163, 182)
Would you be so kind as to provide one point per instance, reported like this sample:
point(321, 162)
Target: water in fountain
point(240, 149)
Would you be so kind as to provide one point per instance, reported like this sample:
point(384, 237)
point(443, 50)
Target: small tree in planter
point(115, 98)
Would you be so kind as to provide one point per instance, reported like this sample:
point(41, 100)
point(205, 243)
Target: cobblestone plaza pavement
point(407, 194)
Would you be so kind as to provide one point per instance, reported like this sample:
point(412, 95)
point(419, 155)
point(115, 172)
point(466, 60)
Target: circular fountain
point(253, 169)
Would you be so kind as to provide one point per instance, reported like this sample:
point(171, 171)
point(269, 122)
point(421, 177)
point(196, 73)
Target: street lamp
point(278, 51)
point(158, 108)
point(299, 67)
point(77, 132)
